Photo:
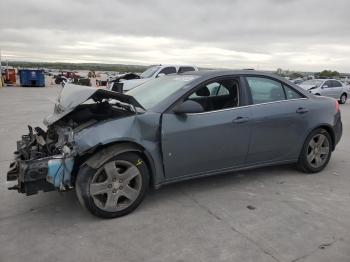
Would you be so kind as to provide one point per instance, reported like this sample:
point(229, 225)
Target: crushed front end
point(48, 160)
point(43, 161)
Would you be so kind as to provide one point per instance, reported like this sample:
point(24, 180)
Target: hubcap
point(116, 185)
point(318, 150)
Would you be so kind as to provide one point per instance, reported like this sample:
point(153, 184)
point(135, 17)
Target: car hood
point(130, 84)
point(72, 96)
point(306, 87)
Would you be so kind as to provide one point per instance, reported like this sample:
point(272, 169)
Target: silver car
point(327, 87)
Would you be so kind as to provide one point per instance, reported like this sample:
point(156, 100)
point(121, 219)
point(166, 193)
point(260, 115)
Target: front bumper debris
point(38, 168)
point(45, 174)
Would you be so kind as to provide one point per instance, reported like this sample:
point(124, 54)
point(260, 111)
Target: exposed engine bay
point(45, 159)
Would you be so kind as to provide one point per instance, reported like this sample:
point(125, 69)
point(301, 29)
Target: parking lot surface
point(268, 214)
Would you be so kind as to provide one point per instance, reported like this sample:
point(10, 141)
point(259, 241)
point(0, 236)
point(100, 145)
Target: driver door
point(203, 143)
point(327, 89)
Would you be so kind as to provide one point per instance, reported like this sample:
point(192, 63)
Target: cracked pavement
point(269, 214)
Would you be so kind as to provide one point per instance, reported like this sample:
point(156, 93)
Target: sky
point(299, 35)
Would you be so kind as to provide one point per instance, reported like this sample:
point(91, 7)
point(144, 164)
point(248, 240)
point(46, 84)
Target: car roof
point(214, 73)
point(176, 65)
point(325, 79)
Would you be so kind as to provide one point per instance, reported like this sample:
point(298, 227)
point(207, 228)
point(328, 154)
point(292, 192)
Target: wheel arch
point(329, 129)
point(100, 154)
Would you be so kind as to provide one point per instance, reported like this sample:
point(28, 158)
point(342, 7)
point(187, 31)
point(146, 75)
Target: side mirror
point(160, 75)
point(188, 107)
point(324, 86)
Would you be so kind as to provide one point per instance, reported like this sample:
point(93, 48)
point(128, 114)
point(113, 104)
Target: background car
point(153, 72)
point(297, 81)
point(327, 87)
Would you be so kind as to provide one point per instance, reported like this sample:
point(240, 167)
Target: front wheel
point(343, 99)
point(316, 151)
point(116, 188)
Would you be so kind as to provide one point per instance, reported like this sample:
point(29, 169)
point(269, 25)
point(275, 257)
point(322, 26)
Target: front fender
point(138, 132)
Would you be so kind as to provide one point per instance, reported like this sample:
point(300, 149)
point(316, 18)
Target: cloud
point(297, 34)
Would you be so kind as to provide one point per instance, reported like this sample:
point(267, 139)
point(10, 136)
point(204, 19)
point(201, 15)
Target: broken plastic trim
point(43, 174)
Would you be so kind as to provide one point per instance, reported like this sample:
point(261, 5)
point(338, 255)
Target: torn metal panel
point(74, 95)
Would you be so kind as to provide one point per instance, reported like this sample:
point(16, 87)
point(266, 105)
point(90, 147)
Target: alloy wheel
point(318, 150)
point(116, 185)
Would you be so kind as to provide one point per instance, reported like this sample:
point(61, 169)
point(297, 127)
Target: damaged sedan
point(111, 147)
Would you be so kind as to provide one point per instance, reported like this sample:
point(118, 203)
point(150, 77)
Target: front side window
point(217, 95)
point(150, 72)
point(265, 90)
point(291, 93)
point(217, 89)
point(327, 84)
point(168, 70)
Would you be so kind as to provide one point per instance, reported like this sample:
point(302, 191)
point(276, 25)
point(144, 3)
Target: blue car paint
point(147, 129)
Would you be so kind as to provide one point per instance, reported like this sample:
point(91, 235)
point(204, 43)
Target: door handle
point(302, 110)
point(240, 120)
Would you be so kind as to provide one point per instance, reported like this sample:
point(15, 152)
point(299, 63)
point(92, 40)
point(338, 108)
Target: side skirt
point(218, 172)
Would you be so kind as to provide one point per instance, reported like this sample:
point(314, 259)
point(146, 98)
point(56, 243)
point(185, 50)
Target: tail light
point(337, 109)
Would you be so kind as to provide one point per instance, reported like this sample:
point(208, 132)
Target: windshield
point(315, 82)
point(153, 92)
point(150, 72)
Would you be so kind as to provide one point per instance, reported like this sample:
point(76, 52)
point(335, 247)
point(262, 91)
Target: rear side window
point(184, 69)
point(336, 83)
point(291, 93)
point(265, 90)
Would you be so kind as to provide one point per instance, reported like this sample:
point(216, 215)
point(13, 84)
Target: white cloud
point(297, 34)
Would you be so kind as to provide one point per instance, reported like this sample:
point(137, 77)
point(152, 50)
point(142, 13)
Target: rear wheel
point(116, 188)
point(343, 99)
point(316, 151)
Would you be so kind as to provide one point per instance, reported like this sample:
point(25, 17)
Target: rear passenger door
point(278, 121)
point(337, 89)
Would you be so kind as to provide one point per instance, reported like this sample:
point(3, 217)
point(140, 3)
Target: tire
point(57, 81)
point(343, 98)
point(315, 154)
point(114, 193)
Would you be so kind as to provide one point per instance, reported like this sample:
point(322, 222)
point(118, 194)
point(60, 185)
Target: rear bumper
point(338, 129)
